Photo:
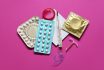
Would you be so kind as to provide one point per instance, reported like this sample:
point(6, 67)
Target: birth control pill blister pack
point(44, 36)
point(27, 31)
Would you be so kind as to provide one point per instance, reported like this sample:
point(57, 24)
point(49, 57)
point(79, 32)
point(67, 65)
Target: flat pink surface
point(15, 56)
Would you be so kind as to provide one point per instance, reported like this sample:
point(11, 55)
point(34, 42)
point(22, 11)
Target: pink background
point(15, 56)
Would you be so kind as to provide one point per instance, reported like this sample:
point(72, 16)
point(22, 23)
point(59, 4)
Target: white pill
point(38, 44)
point(40, 31)
point(46, 50)
point(44, 36)
point(26, 38)
point(37, 49)
point(30, 21)
point(42, 50)
point(48, 32)
point(50, 24)
point(39, 35)
point(43, 45)
point(43, 41)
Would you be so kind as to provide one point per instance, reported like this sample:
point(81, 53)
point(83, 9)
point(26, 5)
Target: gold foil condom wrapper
point(75, 24)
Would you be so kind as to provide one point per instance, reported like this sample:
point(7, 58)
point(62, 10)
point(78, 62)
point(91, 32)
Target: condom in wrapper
point(75, 24)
